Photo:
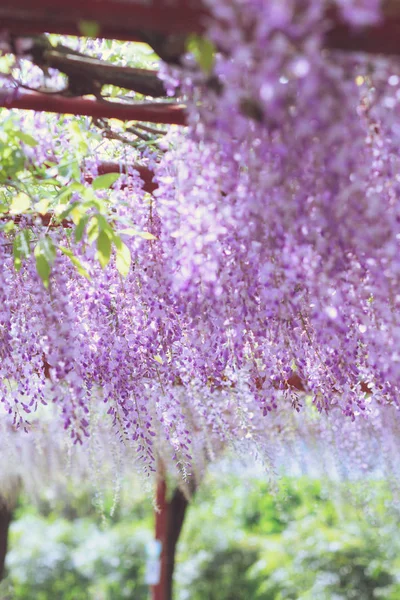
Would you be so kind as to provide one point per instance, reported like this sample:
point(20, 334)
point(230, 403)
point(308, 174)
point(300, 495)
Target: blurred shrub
point(76, 560)
point(306, 542)
point(314, 561)
point(220, 575)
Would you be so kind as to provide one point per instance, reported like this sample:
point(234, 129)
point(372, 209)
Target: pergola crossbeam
point(163, 112)
point(115, 19)
point(128, 19)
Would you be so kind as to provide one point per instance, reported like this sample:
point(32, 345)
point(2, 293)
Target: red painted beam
point(115, 19)
point(381, 38)
point(39, 26)
point(125, 19)
point(149, 112)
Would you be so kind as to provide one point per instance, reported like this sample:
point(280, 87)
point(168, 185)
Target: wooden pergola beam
point(115, 19)
point(381, 38)
point(174, 114)
point(126, 19)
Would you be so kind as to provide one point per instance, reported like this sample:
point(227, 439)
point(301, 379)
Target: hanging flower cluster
point(281, 209)
point(266, 268)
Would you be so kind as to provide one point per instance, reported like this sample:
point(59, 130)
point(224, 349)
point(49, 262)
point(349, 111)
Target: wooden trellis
point(162, 23)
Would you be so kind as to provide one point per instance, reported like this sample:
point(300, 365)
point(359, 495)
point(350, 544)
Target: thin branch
point(87, 73)
point(108, 132)
point(139, 134)
point(152, 130)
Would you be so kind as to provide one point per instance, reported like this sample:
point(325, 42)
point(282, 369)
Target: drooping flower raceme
point(282, 211)
point(267, 269)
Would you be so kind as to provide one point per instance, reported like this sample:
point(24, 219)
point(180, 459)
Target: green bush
point(220, 575)
point(309, 541)
point(239, 543)
point(312, 561)
point(76, 560)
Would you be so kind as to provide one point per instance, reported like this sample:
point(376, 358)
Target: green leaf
point(69, 169)
point(17, 256)
point(8, 227)
point(104, 225)
point(45, 253)
point(146, 235)
point(47, 248)
point(97, 203)
point(5, 65)
point(103, 182)
point(67, 191)
point(20, 204)
point(79, 267)
point(21, 248)
point(65, 213)
point(92, 230)
point(103, 249)
point(42, 266)
point(78, 138)
point(23, 240)
point(203, 51)
point(50, 181)
point(42, 206)
point(78, 212)
point(123, 257)
point(26, 138)
point(80, 228)
point(75, 261)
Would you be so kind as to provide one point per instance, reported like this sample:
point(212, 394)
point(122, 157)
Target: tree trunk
point(5, 520)
point(169, 521)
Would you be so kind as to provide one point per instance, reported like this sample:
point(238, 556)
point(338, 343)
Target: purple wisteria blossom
point(265, 282)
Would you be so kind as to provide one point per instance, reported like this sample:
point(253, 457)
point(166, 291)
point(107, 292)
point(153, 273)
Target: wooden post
point(168, 526)
point(5, 520)
point(161, 533)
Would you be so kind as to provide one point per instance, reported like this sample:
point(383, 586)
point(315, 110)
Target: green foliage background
point(306, 541)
